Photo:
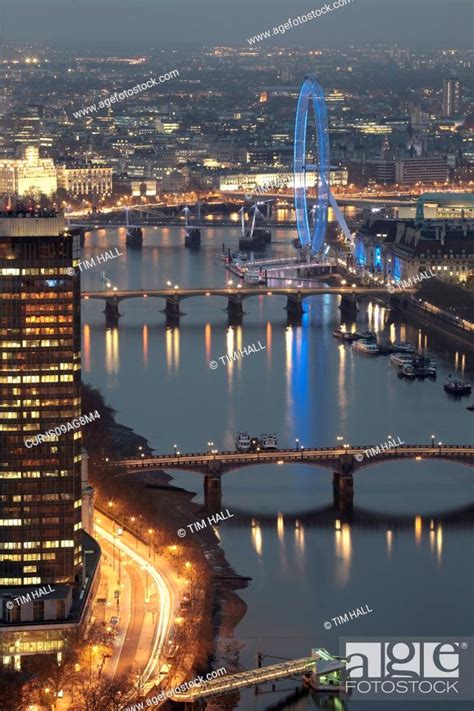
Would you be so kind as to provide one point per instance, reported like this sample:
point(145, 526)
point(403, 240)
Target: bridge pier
point(235, 308)
point(111, 311)
point(294, 305)
point(213, 488)
point(348, 305)
point(172, 309)
point(343, 494)
point(343, 486)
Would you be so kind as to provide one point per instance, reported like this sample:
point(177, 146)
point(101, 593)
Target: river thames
point(406, 552)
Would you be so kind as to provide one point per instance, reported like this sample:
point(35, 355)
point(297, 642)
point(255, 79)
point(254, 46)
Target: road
point(183, 293)
point(143, 639)
point(325, 456)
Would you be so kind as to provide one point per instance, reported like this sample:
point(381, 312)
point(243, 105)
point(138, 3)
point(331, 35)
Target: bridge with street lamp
point(236, 295)
point(343, 461)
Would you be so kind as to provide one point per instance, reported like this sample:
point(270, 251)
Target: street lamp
point(175, 549)
point(150, 532)
point(175, 449)
point(132, 520)
point(432, 440)
point(297, 441)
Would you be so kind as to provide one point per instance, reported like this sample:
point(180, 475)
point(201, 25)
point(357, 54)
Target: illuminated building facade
point(28, 176)
point(41, 538)
point(404, 248)
point(86, 180)
point(413, 170)
point(273, 181)
point(451, 97)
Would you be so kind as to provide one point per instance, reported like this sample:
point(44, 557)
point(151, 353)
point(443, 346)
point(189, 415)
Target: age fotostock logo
point(428, 669)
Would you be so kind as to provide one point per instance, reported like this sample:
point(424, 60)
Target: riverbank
point(150, 502)
point(452, 335)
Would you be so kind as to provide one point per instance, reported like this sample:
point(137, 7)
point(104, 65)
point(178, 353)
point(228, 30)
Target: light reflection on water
point(402, 542)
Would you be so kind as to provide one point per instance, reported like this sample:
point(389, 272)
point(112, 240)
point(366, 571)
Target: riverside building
point(436, 232)
point(42, 541)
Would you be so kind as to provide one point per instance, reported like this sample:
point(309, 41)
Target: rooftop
point(21, 211)
point(448, 198)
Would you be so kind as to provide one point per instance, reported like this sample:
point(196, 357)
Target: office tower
point(43, 545)
point(40, 503)
point(451, 97)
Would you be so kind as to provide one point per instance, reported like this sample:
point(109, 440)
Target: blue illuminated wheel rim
point(311, 90)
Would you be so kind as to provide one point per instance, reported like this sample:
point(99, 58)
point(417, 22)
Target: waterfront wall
point(436, 323)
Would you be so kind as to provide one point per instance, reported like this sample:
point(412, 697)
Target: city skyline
point(236, 354)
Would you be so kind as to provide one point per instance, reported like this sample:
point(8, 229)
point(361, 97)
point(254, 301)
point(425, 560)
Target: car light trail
point(166, 601)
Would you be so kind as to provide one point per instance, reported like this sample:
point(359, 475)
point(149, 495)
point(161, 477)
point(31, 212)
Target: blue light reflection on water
point(315, 388)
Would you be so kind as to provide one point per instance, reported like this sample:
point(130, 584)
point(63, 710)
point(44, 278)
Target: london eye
point(311, 93)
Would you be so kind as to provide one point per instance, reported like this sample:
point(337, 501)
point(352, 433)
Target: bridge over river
point(343, 462)
point(320, 664)
point(236, 296)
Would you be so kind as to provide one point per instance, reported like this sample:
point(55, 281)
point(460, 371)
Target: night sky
point(416, 23)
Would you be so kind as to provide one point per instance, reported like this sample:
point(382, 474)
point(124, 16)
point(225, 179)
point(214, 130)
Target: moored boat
point(400, 359)
point(425, 366)
point(349, 337)
point(251, 277)
point(367, 347)
point(454, 386)
point(366, 335)
point(404, 347)
point(407, 371)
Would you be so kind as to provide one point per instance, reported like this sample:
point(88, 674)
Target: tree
point(11, 691)
point(104, 694)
